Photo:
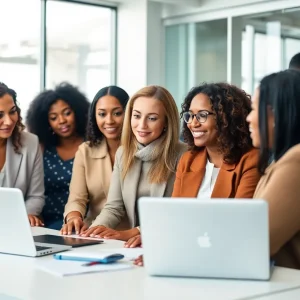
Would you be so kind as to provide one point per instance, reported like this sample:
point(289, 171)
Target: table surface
point(22, 279)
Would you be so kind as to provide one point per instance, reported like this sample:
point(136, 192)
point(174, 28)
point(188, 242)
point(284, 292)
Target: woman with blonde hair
point(145, 163)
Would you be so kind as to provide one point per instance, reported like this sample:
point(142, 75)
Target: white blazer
point(25, 171)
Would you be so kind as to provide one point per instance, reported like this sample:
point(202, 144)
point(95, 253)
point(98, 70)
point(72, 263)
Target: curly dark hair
point(37, 114)
point(231, 106)
point(94, 136)
point(16, 134)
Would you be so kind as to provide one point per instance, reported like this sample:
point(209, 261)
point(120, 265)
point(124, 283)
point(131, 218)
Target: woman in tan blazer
point(275, 129)
point(145, 163)
point(94, 159)
point(21, 162)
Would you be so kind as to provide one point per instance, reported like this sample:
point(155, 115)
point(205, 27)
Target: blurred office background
point(132, 43)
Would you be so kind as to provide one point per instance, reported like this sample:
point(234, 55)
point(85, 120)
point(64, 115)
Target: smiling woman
point(95, 159)
point(221, 162)
point(20, 156)
point(58, 117)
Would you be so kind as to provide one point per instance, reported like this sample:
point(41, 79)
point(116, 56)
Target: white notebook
point(67, 267)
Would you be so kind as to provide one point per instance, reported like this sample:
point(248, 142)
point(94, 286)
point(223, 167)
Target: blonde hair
point(166, 153)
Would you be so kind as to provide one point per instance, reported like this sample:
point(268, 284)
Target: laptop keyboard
point(40, 248)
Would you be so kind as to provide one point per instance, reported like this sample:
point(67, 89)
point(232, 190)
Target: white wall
point(140, 45)
point(132, 45)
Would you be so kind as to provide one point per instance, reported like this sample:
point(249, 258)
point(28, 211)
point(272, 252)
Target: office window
point(20, 48)
point(195, 53)
point(80, 45)
point(269, 40)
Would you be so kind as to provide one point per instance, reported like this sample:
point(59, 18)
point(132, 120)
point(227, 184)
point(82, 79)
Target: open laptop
point(15, 231)
point(215, 238)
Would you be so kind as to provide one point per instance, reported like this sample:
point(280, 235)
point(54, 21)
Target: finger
point(112, 236)
point(84, 228)
point(90, 231)
point(136, 243)
point(41, 223)
point(139, 261)
point(78, 224)
point(31, 221)
point(37, 221)
point(64, 229)
point(129, 242)
point(98, 231)
point(104, 233)
point(70, 226)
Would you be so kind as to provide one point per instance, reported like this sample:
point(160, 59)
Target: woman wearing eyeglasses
point(221, 162)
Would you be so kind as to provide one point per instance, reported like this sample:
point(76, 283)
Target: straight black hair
point(93, 135)
point(280, 93)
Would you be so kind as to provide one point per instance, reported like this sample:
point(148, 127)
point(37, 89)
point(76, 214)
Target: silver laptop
point(15, 231)
point(219, 238)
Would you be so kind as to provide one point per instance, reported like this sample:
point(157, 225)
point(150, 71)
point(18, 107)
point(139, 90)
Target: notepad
point(69, 268)
point(129, 253)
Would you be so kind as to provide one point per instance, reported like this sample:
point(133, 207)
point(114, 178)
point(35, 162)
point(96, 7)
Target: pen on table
point(92, 263)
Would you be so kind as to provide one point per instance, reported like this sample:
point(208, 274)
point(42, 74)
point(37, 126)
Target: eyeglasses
point(201, 116)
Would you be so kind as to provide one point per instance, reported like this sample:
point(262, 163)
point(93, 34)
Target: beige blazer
point(90, 181)
point(122, 193)
point(280, 187)
point(25, 171)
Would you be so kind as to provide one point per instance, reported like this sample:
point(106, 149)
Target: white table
point(21, 279)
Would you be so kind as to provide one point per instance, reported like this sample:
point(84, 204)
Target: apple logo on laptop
point(204, 241)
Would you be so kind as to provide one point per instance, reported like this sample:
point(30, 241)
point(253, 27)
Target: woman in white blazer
point(21, 163)
point(145, 163)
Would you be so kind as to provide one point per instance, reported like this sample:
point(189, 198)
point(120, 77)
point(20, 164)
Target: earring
point(165, 129)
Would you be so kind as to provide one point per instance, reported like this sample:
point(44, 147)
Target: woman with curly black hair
point(58, 117)
point(21, 164)
point(95, 159)
point(221, 162)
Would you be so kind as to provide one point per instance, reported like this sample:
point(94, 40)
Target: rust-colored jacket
point(234, 180)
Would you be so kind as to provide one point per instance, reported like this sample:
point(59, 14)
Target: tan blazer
point(280, 187)
point(122, 193)
point(234, 180)
point(25, 171)
point(90, 181)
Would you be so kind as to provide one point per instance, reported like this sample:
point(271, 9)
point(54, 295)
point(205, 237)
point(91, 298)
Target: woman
point(58, 117)
point(274, 125)
point(221, 162)
point(145, 164)
point(94, 159)
point(21, 162)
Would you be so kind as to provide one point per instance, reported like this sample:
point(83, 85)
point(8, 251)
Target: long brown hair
point(166, 153)
point(16, 134)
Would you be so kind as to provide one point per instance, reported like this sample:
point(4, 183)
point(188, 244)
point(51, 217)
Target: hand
point(74, 223)
point(103, 232)
point(134, 242)
point(35, 221)
point(139, 261)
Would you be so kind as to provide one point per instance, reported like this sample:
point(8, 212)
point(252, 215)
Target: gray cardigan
point(25, 171)
point(122, 193)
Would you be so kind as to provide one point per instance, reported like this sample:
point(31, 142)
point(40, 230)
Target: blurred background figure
point(295, 62)
point(58, 117)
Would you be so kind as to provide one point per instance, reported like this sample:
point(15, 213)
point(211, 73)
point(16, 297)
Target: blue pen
point(91, 260)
